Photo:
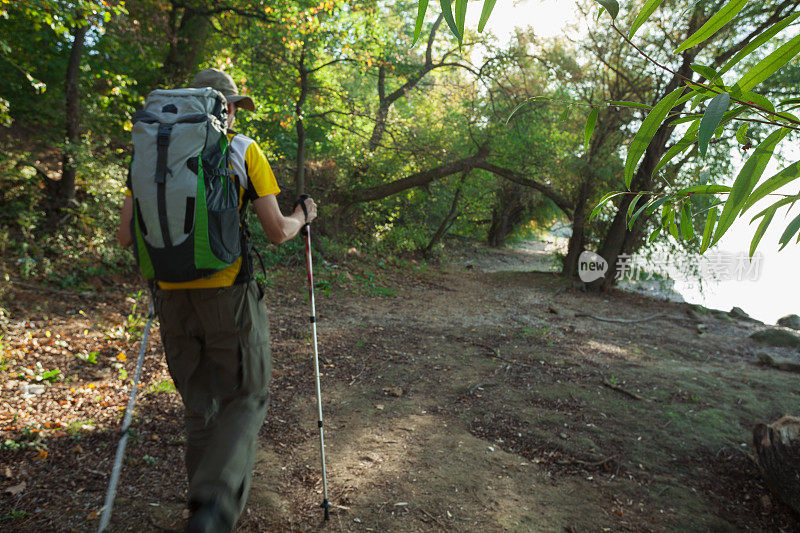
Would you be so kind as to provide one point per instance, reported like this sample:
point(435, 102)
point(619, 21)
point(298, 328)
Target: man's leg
point(181, 335)
point(237, 364)
point(199, 432)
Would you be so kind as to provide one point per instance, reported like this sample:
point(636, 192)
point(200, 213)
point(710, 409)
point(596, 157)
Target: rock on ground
point(739, 313)
point(790, 321)
point(777, 337)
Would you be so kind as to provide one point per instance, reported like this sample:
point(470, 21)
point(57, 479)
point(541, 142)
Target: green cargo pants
point(217, 347)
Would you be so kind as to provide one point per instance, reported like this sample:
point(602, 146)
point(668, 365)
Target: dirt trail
point(470, 399)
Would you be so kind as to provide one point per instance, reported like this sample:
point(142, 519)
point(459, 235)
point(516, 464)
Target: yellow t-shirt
point(255, 180)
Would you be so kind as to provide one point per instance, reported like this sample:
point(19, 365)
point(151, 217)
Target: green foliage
point(710, 121)
point(647, 131)
point(713, 25)
point(69, 248)
point(77, 427)
point(590, 123)
point(15, 514)
point(746, 181)
point(647, 10)
point(753, 107)
point(763, 38)
point(369, 285)
point(447, 13)
point(39, 373)
point(522, 107)
point(612, 6)
point(768, 66)
point(165, 386)
point(135, 320)
point(88, 357)
point(488, 6)
point(421, 10)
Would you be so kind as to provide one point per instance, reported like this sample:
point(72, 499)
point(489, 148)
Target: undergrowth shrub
point(65, 245)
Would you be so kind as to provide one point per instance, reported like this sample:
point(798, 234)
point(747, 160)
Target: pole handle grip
point(302, 203)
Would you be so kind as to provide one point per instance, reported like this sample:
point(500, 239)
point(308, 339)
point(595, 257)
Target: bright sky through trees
point(548, 18)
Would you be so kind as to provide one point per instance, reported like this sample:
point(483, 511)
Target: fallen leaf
point(8, 473)
point(42, 456)
point(77, 449)
point(122, 356)
point(379, 407)
point(16, 489)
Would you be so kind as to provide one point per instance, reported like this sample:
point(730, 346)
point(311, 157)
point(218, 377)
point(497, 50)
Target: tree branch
point(217, 9)
point(414, 180)
point(512, 175)
point(329, 63)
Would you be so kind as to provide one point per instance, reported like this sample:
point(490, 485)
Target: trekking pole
point(123, 441)
point(306, 232)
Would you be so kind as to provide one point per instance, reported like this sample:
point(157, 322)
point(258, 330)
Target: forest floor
point(476, 396)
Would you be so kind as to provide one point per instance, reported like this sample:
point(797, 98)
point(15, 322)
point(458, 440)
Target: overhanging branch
point(512, 175)
point(416, 179)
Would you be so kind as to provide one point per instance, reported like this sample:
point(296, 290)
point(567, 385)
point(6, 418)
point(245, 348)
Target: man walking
point(215, 333)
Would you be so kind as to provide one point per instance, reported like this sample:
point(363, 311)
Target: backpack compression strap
point(164, 132)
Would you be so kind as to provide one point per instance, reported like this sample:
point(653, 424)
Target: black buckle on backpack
point(164, 131)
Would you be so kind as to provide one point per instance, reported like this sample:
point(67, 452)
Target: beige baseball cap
point(221, 81)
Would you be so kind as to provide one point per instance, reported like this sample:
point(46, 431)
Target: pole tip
point(326, 505)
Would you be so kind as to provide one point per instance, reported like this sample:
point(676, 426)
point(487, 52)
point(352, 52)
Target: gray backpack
point(186, 217)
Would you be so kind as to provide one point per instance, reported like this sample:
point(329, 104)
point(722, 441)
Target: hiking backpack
point(185, 223)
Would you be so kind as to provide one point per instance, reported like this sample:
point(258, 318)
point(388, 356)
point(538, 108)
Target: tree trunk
point(448, 221)
point(506, 215)
point(577, 240)
point(383, 112)
point(618, 237)
point(300, 161)
point(186, 46)
point(776, 451)
point(386, 101)
point(73, 111)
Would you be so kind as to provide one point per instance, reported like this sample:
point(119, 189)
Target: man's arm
point(279, 228)
point(124, 230)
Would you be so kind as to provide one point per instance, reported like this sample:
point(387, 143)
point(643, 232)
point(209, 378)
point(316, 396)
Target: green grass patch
point(161, 387)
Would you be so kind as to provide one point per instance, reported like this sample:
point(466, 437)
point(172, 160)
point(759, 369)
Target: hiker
point(215, 333)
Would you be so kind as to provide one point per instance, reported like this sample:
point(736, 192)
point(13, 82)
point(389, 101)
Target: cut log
point(776, 450)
